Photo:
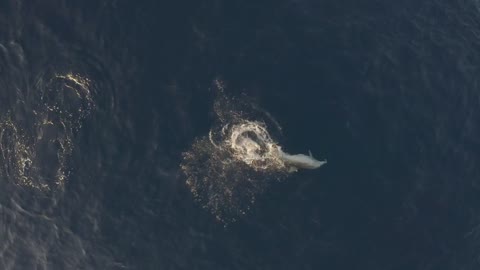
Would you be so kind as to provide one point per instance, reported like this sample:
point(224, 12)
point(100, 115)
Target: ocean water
point(100, 101)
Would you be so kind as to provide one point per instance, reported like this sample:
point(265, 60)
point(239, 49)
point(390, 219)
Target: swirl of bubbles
point(34, 148)
point(236, 162)
point(251, 143)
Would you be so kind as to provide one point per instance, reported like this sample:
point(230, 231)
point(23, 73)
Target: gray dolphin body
point(300, 161)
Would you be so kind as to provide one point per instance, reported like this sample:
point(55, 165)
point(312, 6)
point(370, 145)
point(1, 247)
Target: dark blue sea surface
point(99, 101)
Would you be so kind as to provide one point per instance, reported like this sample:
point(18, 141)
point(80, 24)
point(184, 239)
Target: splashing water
point(227, 170)
point(35, 153)
point(251, 143)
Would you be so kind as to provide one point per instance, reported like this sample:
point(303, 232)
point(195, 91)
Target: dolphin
point(300, 161)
